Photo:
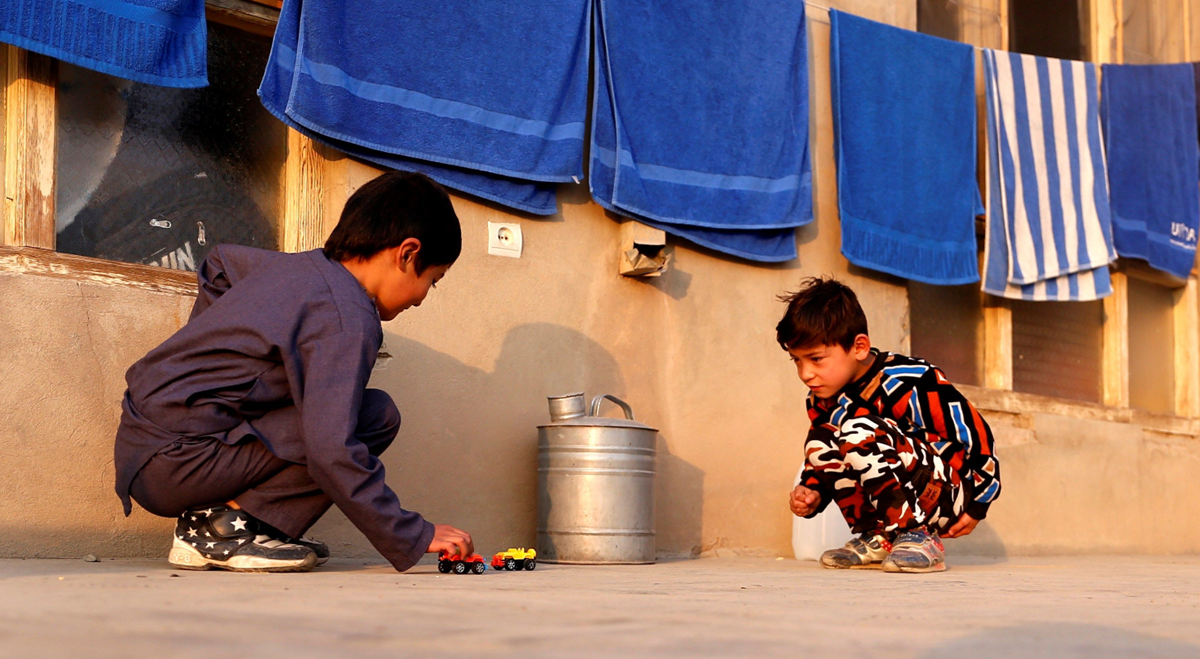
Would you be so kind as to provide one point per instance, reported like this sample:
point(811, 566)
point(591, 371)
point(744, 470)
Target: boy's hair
point(823, 312)
point(392, 208)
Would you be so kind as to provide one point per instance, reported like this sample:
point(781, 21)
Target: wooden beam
point(304, 192)
point(249, 16)
point(47, 263)
point(30, 85)
point(1186, 314)
point(1115, 344)
point(998, 343)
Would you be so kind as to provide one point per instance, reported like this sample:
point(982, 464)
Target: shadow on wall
point(467, 450)
point(983, 542)
point(1064, 640)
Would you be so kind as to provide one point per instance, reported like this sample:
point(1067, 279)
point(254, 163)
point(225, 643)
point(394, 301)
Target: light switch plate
point(504, 239)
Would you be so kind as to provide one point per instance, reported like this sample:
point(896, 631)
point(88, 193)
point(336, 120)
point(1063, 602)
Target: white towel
point(1049, 223)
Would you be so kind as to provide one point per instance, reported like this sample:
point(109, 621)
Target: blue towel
point(1049, 228)
point(904, 120)
point(440, 89)
point(1153, 163)
point(529, 196)
point(700, 121)
point(159, 42)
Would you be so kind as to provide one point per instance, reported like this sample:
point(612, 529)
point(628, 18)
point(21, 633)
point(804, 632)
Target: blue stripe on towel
point(1154, 163)
point(1049, 228)
point(904, 119)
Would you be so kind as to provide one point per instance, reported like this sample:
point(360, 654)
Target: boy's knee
point(379, 420)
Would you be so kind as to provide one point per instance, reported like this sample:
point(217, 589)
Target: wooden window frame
point(27, 238)
point(1106, 43)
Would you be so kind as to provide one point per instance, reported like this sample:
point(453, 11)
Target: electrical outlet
point(504, 239)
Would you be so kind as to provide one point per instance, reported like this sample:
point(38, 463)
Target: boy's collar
point(855, 386)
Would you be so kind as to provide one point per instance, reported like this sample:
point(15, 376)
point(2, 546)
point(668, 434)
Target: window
point(1049, 28)
point(947, 329)
point(158, 176)
point(1056, 348)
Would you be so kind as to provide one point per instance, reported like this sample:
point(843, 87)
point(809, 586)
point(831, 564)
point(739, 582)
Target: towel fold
point(700, 121)
point(1149, 115)
point(163, 42)
point(904, 120)
point(1049, 225)
point(441, 89)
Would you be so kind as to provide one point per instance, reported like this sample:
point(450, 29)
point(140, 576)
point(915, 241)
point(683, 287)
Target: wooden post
point(1186, 314)
point(29, 153)
point(1115, 343)
point(304, 189)
point(998, 343)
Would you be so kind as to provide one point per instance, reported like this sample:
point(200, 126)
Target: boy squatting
point(903, 454)
point(254, 418)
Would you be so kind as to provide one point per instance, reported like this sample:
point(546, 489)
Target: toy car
point(455, 563)
point(515, 559)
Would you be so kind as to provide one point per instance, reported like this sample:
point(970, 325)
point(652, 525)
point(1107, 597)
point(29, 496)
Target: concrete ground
point(724, 607)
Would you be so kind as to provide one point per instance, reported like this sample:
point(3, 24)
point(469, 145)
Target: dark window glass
point(947, 329)
point(1048, 28)
point(1056, 348)
point(155, 175)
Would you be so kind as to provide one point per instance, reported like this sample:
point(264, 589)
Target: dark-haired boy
point(903, 454)
point(254, 418)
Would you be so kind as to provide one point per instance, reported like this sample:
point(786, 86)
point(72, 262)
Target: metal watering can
point(595, 485)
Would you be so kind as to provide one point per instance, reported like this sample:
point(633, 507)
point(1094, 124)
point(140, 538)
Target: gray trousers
point(198, 473)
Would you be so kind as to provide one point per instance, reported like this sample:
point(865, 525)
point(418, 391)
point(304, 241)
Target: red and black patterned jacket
point(921, 401)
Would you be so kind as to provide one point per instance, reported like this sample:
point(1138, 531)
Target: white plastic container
point(811, 537)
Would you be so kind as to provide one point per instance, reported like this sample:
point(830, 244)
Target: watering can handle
point(600, 399)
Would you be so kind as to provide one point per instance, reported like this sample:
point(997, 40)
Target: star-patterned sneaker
point(224, 538)
point(319, 548)
point(864, 552)
point(917, 550)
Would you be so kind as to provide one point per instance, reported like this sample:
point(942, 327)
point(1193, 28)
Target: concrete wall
point(693, 352)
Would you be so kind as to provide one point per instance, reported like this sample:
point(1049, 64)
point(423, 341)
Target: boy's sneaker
point(224, 538)
point(916, 551)
point(863, 552)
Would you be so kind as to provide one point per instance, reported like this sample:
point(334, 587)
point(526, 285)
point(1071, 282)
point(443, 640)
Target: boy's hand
point(451, 540)
point(963, 526)
point(804, 501)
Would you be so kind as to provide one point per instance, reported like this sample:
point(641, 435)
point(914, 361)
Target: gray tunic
point(294, 335)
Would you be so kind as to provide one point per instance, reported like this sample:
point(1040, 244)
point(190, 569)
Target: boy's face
point(390, 277)
point(407, 289)
point(825, 370)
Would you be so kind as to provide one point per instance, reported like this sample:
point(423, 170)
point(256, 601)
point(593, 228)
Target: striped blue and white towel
point(1049, 222)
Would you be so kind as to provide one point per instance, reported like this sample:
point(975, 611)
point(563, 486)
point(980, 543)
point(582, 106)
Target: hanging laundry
point(1149, 117)
point(441, 89)
point(700, 121)
point(164, 42)
point(904, 121)
point(1049, 231)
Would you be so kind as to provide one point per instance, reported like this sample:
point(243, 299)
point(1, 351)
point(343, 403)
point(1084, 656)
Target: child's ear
point(862, 347)
point(406, 255)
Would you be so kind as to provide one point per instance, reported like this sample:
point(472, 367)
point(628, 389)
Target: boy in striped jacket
point(903, 454)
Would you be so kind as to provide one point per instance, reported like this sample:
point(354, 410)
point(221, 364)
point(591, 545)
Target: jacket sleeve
point(950, 420)
point(335, 373)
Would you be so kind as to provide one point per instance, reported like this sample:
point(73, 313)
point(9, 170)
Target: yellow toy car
point(515, 559)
